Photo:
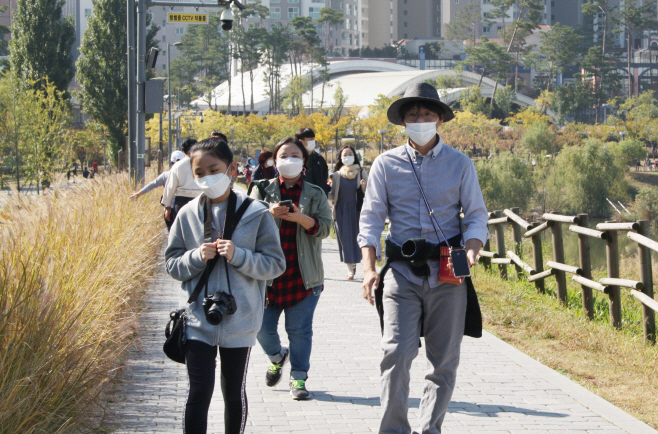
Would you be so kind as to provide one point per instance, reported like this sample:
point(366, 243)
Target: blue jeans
point(299, 327)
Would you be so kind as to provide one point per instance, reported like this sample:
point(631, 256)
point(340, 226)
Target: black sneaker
point(298, 390)
point(273, 375)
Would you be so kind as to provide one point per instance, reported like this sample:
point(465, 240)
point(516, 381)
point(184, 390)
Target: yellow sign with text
point(175, 17)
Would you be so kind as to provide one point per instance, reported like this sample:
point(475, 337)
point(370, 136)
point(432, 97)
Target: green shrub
point(506, 181)
point(581, 178)
point(539, 139)
point(628, 152)
point(645, 206)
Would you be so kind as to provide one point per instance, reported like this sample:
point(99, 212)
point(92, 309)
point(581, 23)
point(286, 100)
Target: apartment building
point(7, 16)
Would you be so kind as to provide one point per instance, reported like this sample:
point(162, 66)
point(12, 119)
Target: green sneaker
point(273, 375)
point(298, 390)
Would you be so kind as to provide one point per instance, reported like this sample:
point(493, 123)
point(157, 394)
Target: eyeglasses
point(427, 117)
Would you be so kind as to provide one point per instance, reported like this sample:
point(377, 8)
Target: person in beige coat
point(348, 186)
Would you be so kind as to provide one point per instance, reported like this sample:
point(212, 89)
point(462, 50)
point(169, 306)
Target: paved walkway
point(499, 389)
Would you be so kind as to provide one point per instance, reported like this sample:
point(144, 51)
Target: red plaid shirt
point(288, 289)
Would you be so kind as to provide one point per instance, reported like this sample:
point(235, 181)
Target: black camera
point(217, 306)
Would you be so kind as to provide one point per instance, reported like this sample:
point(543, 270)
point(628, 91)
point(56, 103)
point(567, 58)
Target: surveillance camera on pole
point(227, 19)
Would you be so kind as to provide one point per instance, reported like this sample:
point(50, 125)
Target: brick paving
point(499, 389)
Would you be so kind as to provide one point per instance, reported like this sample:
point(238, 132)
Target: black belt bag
point(424, 252)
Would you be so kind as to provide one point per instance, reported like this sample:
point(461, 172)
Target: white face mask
point(290, 167)
point(348, 160)
point(422, 132)
point(310, 145)
point(214, 186)
point(270, 163)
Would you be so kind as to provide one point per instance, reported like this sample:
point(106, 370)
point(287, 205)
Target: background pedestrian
point(348, 186)
point(303, 215)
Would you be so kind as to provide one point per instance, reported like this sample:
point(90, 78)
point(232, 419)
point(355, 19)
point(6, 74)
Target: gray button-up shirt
point(450, 183)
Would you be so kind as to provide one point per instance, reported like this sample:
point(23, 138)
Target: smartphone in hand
point(460, 263)
point(287, 203)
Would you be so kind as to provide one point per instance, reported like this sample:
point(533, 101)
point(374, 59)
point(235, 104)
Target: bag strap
point(230, 222)
point(429, 208)
point(261, 185)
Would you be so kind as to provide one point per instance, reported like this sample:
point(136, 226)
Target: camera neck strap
point(230, 222)
point(435, 223)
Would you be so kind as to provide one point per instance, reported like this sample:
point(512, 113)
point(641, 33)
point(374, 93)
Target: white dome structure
point(362, 81)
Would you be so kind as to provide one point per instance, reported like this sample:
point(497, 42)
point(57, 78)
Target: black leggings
point(200, 361)
point(179, 202)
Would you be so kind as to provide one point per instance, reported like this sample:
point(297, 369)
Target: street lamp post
point(381, 147)
point(176, 44)
point(605, 113)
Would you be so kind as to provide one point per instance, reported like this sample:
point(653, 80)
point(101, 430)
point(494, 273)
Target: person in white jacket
point(161, 180)
point(180, 187)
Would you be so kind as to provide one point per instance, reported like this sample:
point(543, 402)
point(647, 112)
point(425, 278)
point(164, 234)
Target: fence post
point(159, 161)
point(648, 315)
point(538, 259)
point(120, 160)
point(518, 239)
point(500, 244)
point(485, 260)
point(558, 256)
point(614, 292)
point(586, 266)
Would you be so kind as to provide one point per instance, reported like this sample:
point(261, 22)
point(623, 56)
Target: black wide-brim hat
point(418, 92)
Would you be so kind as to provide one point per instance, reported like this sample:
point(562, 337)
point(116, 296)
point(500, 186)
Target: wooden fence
point(582, 274)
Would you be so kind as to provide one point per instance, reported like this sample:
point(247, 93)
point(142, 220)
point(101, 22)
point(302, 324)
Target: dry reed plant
point(73, 268)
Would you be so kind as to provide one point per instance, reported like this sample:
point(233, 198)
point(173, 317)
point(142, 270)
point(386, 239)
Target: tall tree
point(102, 70)
point(4, 30)
point(601, 76)
point(275, 47)
point(493, 59)
point(603, 11)
point(499, 12)
point(247, 41)
point(203, 60)
point(529, 19)
point(329, 17)
point(463, 26)
point(559, 47)
point(635, 20)
point(42, 41)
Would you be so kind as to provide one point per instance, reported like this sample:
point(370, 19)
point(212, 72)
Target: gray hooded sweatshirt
point(258, 257)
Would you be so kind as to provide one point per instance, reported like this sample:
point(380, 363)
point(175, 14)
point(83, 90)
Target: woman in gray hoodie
point(253, 256)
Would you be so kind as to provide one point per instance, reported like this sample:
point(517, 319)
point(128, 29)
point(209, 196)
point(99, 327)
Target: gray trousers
point(443, 310)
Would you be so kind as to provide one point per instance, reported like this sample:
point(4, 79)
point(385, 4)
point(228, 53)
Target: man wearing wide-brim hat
point(421, 297)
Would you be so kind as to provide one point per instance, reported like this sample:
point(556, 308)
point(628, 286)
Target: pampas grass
point(73, 268)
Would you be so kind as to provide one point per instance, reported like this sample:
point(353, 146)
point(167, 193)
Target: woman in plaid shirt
point(302, 226)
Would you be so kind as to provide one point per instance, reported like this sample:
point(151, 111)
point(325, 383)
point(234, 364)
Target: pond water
point(627, 247)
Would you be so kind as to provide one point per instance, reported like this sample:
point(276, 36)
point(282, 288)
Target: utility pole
point(141, 87)
point(132, 101)
point(137, 75)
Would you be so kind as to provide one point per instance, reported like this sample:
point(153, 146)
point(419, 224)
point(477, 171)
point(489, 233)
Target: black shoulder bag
point(174, 346)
